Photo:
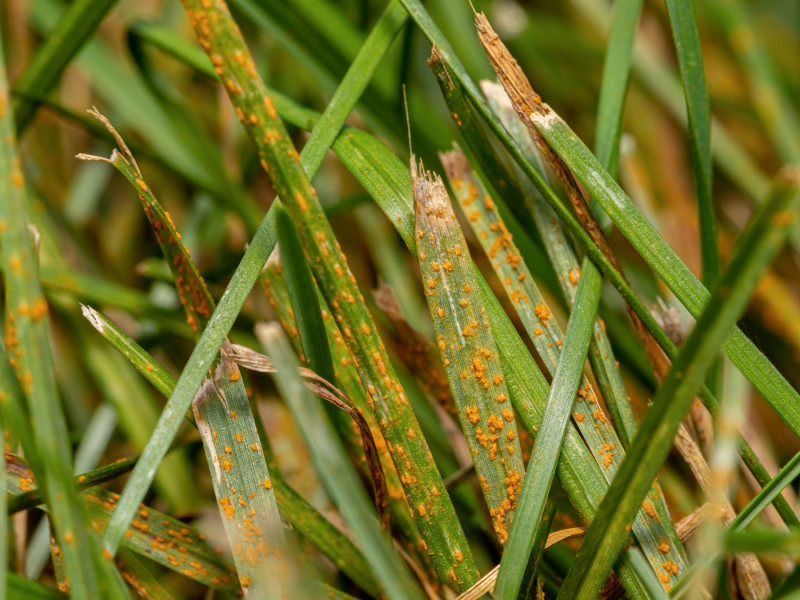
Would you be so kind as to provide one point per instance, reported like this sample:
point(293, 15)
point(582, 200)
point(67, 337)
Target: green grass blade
point(690, 60)
point(616, 71)
point(333, 466)
point(76, 24)
point(241, 481)
point(468, 349)
point(547, 448)
point(178, 546)
point(653, 72)
point(304, 300)
point(158, 536)
point(27, 341)
point(93, 444)
point(771, 490)
point(606, 538)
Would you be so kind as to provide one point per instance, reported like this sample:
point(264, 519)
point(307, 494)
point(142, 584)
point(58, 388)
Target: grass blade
point(616, 71)
point(788, 473)
point(468, 350)
point(76, 24)
point(333, 466)
point(605, 539)
point(241, 481)
point(150, 369)
point(304, 300)
point(547, 448)
point(568, 268)
point(690, 60)
point(27, 342)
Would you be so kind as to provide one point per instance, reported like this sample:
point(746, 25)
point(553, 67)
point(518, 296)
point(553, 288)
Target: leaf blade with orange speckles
point(256, 562)
point(241, 480)
point(469, 352)
point(530, 304)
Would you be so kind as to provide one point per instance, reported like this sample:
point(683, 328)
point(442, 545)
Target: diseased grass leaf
point(467, 346)
point(241, 481)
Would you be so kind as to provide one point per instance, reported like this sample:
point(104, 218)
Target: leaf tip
point(93, 317)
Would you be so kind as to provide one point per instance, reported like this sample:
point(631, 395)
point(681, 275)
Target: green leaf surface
point(690, 60)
